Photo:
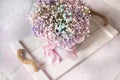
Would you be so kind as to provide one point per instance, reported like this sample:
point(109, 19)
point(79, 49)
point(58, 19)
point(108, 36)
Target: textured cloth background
point(104, 65)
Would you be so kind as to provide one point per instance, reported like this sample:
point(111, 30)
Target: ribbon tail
point(72, 52)
point(56, 58)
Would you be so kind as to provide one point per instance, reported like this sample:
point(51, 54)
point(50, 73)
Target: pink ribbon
point(73, 52)
point(49, 50)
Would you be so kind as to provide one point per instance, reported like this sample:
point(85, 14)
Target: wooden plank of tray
point(99, 36)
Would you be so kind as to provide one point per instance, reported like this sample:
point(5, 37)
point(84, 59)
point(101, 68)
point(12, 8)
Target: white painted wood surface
point(99, 36)
point(40, 75)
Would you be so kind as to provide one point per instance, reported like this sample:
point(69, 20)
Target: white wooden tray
point(99, 36)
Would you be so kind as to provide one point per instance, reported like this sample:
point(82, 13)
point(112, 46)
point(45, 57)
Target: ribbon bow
point(49, 50)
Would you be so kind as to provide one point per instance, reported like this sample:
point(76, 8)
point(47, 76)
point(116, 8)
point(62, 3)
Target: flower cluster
point(65, 22)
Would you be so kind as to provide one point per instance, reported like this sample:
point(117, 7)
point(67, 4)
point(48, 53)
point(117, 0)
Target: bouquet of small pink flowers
point(62, 23)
